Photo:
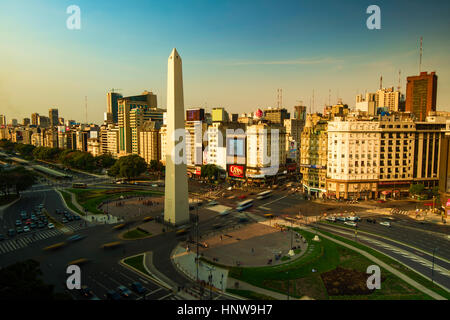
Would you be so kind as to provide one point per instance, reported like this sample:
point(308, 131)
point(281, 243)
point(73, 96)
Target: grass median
point(136, 234)
point(68, 199)
point(90, 199)
point(137, 262)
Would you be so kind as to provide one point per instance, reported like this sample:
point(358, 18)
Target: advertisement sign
point(195, 115)
point(198, 171)
point(291, 167)
point(236, 171)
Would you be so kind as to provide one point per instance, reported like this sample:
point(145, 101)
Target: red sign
point(198, 171)
point(236, 171)
point(291, 166)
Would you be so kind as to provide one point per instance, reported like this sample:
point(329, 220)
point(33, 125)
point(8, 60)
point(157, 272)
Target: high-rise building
point(132, 112)
point(113, 105)
point(313, 155)
point(34, 119)
point(264, 138)
point(43, 122)
point(444, 171)
point(13, 122)
point(300, 113)
point(26, 121)
point(150, 141)
point(276, 115)
point(219, 115)
point(367, 104)
point(53, 116)
point(294, 128)
point(421, 93)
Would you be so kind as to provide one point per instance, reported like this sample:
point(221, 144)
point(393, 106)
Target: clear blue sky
point(235, 53)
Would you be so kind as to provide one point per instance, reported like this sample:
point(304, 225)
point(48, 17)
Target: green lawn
point(90, 199)
point(323, 256)
point(68, 199)
point(136, 234)
point(137, 262)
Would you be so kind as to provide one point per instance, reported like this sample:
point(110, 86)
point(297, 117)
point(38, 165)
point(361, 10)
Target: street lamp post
point(287, 273)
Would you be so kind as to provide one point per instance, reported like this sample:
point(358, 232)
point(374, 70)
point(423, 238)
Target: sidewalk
point(247, 286)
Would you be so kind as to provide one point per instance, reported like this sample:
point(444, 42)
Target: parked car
point(350, 223)
point(124, 291)
point(112, 295)
point(51, 226)
point(385, 223)
point(138, 288)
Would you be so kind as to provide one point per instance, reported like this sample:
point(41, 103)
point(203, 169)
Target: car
point(350, 223)
point(76, 237)
point(332, 219)
point(86, 291)
point(26, 229)
point(112, 295)
point(138, 288)
point(213, 203)
point(70, 218)
point(343, 219)
point(369, 220)
point(33, 225)
point(124, 291)
point(41, 225)
point(11, 233)
point(353, 218)
point(19, 229)
point(51, 226)
point(76, 217)
point(18, 223)
point(154, 185)
point(225, 212)
point(385, 223)
point(64, 220)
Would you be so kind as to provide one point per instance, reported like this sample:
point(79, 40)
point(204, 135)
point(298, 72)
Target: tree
point(416, 189)
point(17, 179)
point(105, 161)
point(128, 167)
point(211, 171)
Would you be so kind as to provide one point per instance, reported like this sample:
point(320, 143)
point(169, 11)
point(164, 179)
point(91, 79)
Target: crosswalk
point(21, 242)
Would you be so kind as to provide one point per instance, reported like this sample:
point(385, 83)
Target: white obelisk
point(176, 203)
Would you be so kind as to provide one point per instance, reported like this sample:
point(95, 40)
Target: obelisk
point(176, 203)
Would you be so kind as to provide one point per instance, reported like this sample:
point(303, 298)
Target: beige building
point(93, 146)
point(261, 140)
point(150, 141)
point(313, 155)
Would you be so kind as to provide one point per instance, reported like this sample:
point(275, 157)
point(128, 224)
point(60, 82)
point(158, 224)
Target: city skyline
point(290, 46)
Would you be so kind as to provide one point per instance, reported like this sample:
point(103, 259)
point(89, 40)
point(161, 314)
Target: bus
point(79, 185)
point(264, 195)
point(241, 206)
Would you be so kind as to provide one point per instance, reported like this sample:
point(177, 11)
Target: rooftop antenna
point(85, 103)
point(329, 96)
point(313, 101)
point(381, 82)
point(421, 52)
point(399, 80)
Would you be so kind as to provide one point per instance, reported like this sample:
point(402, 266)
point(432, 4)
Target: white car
point(26, 229)
point(51, 226)
point(385, 223)
point(350, 223)
point(332, 219)
point(225, 212)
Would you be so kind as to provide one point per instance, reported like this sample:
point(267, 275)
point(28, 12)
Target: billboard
point(236, 147)
point(195, 114)
point(236, 171)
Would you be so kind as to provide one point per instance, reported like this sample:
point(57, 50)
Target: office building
point(421, 93)
point(150, 141)
point(53, 116)
point(113, 105)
